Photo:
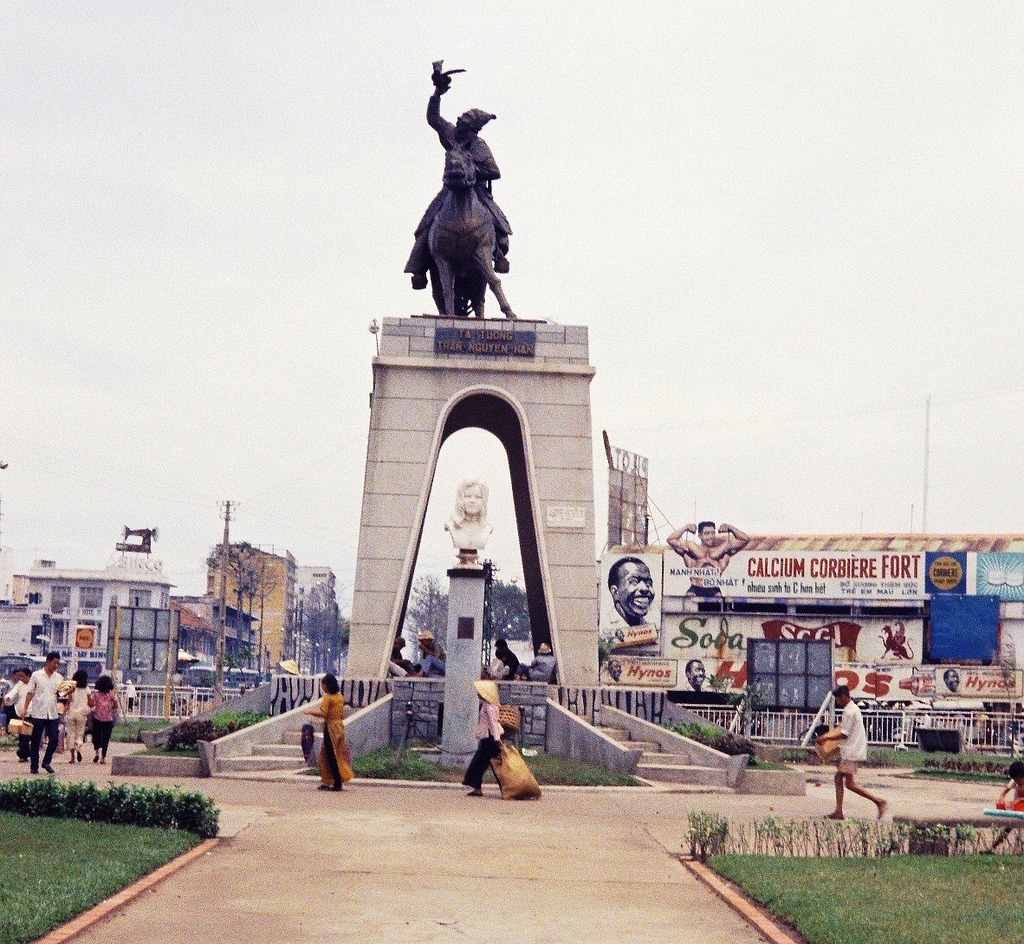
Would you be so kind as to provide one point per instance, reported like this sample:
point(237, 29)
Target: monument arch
point(530, 389)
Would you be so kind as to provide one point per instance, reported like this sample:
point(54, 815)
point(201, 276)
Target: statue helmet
point(475, 119)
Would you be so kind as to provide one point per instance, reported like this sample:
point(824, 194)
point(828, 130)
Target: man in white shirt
point(853, 751)
point(41, 710)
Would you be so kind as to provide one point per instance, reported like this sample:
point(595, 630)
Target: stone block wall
point(427, 698)
point(531, 698)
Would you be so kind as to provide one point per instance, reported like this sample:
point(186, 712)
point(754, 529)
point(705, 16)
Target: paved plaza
point(427, 863)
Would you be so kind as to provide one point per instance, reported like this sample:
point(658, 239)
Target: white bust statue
point(468, 525)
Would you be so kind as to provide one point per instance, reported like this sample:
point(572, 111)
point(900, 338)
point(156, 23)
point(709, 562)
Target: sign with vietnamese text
point(485, 342)
point(830, 575)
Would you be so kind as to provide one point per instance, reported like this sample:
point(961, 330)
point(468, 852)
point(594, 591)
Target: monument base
point(453, 761)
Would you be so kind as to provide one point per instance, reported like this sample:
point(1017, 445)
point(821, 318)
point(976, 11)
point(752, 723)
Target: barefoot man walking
point(853, 751)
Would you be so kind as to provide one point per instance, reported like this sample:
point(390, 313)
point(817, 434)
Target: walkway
point(425, 864)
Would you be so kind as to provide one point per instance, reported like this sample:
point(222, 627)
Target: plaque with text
point(485, 342)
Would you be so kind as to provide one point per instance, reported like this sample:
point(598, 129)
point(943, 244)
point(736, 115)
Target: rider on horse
point(465, 134)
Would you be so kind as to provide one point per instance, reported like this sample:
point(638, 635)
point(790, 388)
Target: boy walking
point(853, 752)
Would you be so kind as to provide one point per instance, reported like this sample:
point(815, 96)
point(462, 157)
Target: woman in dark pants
point(105, 708)
point(488, 735)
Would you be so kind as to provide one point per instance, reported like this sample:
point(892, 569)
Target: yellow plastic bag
point(514, 777)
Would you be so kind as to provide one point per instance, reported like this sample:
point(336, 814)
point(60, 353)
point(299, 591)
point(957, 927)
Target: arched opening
point(495, 415)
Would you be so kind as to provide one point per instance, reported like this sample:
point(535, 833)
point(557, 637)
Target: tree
point(248, 576)
point(323, 631)
point(428, 607)
point(510, 615)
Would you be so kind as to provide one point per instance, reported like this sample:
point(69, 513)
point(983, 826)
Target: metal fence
point(979, 730)
point(151, 701)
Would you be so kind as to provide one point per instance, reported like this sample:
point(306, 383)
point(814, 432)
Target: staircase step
point(668, 760)
point(618, 734)
point(645, 746)
point(277, 750)
point(680, 773)
point(259, 763)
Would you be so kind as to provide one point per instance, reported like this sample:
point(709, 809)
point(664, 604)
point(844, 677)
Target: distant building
point(316, 620)
point(65, 608)
point(269, 599)
point(200, 628)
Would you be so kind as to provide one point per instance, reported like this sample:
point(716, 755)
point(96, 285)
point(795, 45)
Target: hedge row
point(160, 807)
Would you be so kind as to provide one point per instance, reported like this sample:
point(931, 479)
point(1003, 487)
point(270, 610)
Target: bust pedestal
point(462, 666)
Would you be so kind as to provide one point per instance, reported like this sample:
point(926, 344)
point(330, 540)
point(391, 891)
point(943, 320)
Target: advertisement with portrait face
point(637, 672)
point(630, 596)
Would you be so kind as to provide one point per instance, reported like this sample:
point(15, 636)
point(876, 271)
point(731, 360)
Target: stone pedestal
point(528, 383)
point(462, 666)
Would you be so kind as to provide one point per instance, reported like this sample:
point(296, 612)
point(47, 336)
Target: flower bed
point(711, 834)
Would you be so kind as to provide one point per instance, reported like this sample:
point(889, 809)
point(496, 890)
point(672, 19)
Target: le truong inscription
point(483, 342)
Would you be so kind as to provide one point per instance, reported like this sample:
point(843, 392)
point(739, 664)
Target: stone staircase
point(284, 753)
point(660, 765)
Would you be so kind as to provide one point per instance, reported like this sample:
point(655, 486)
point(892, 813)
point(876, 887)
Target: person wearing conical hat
point(488, 735)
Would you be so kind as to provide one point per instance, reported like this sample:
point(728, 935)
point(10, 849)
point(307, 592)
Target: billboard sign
point(831, 575)
point(627, 497)
point(630, 596)
point(945, 572)
point(634, 672)
point(999, 575)
point(856, 638)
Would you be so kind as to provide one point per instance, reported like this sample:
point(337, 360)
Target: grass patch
point(127, 732)
point(759, 763)
point(885, 757)
point(556, 770)
point(549, 769)
point(906, 900)
point(164, 751)
point(59, 868)
point(380, 765)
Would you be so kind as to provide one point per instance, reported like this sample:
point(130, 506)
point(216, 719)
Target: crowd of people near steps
point(54, 716)
point(505, 666)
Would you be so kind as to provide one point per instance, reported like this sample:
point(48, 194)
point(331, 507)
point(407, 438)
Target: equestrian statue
point(462, 240)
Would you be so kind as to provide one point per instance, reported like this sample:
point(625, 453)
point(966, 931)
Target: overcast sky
point(785, 225)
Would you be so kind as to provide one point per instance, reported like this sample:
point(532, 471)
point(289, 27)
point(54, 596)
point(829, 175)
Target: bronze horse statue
point(461, 241)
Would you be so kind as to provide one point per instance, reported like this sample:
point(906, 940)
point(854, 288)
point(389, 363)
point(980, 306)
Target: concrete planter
point(772, 782)
point(151, 765)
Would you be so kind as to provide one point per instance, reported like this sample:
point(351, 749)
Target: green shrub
point(227, 722)
point(120, 803)
point(188, 733)
point(710, 736)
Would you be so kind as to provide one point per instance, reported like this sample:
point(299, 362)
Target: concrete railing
point(366, 729)
point(692, 752)
point(574, 737)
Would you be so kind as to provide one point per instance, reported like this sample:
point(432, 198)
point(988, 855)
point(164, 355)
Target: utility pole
point(927, 437)
point(222, 636)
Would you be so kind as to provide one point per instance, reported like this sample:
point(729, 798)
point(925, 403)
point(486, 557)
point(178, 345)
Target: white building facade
point(67, 611)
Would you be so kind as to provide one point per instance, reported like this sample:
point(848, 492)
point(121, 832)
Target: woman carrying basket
point(488, 735)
